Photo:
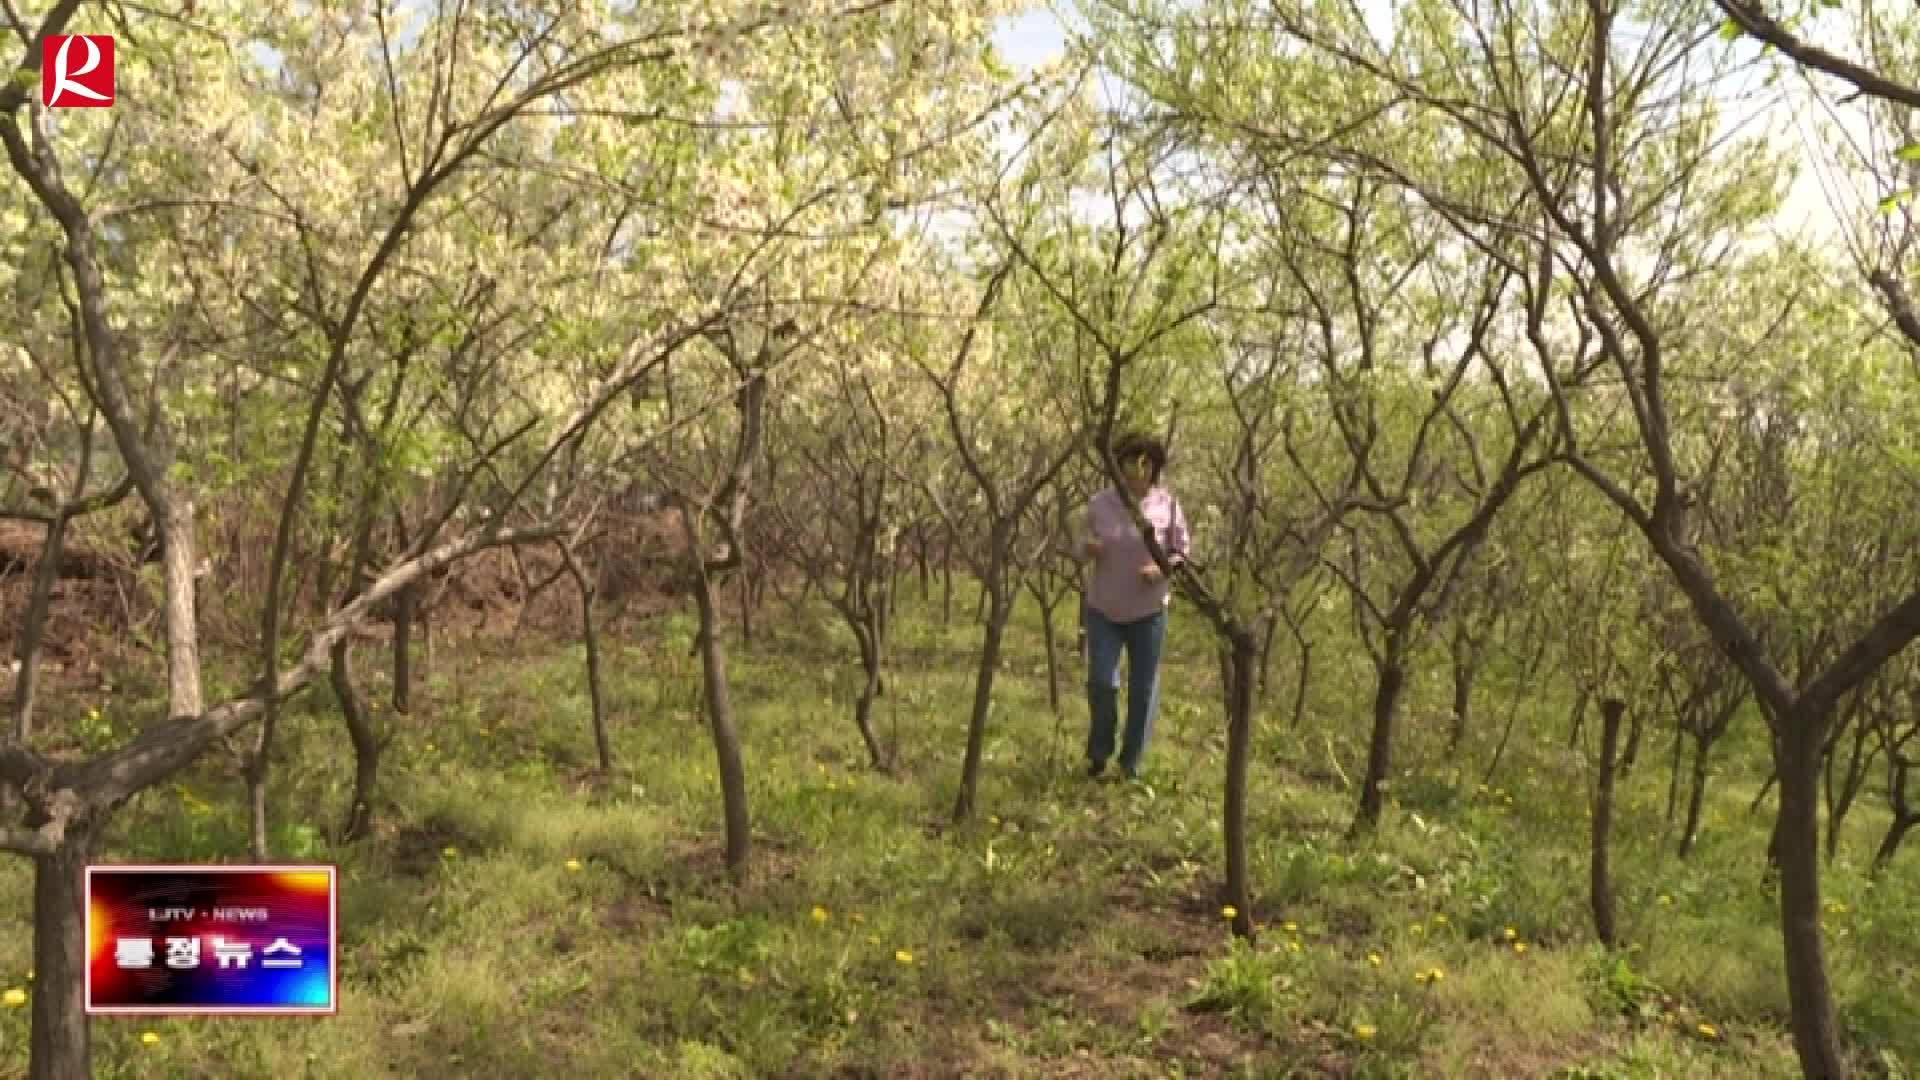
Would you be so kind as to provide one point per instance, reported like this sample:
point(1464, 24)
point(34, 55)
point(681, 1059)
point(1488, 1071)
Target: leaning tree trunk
point(1904, 816)
point(1636, 727)
point(1579, 718)
point(1840, 804)
point(1697, 798)
point(1890, 843)
point(1386, 702)
point(1601, 878)
point(1816, 1032)
point(26, 680)
point(366, 744)
point(997, 611)
point(58, 1048)
point(726, 737)
point(1242, 659)
point(867, 637)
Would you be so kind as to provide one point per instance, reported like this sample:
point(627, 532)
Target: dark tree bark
point(1601, 883)
point(59, 1048)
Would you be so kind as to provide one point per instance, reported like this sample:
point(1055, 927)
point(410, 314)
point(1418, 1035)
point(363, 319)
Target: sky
point(1025, 40)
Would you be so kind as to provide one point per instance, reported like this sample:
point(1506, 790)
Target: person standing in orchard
point(1127, 601)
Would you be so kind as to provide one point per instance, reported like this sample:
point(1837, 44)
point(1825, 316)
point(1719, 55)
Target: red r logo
point(76, 71)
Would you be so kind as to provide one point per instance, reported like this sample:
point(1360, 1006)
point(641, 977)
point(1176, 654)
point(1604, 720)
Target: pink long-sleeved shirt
point(1117, 590)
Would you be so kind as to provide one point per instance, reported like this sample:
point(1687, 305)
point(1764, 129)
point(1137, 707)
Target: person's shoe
point(1130, 773)
point(1095, 768)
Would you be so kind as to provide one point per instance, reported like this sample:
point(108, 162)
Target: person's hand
point(1150, 572)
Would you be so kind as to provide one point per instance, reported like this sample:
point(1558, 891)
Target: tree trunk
point(946, 585)
point(1765, 790)
point(1601, 882)
point(1463, 675)
point(403, 648)
point(1300, 689)
point(1266, 655)
point(1904, 818)
point(920, 558)
point(997, 613)
point(1242, 658)
point(744, 594)
point(1840, 804)
point(1386, 702)
point(726, 738)
point(1890, 843)
point(366, 745)
point(59, 1048)
point(1579, 718)
point(1635, 728)
point(1697, 797)
point(1816, 1034)
point(175, 526)
point(1047, 643)
point(1680, 729)
point(590, 634)
point(869, 690)
point(27, 650)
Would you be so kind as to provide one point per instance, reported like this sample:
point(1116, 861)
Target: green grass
point(1071, 930)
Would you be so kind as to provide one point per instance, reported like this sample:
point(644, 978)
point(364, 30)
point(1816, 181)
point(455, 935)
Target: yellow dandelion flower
point(1440, 919)
point(573, 865)
point(1509, 933)
point(14, 998)
point(1365, 1031)
point(1374, 959)
point(903, 956)
point(1293, 946)
point(1229, 912)
point(1416, 929)
point(150, 1037)
point(1290, 927)
point(1835, 907)
point(873, 939)
point(1708, 1031)
point(1665, 900)
point(450, 852)
point(994, 818)
point(819, 913)
point(1437, 974)
point(1519, 947)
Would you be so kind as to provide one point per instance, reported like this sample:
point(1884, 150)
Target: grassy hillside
point(510, 920)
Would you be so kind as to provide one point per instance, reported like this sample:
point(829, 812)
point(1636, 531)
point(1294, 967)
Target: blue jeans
point(1142, 640)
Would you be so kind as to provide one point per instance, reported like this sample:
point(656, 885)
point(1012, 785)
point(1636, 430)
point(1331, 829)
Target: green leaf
point(1892, 202)
point(1909, 152)
point(1729, 30)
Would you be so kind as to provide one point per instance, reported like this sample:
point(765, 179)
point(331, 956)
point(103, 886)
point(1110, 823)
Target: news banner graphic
point(76, 71)
point(189, 940)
